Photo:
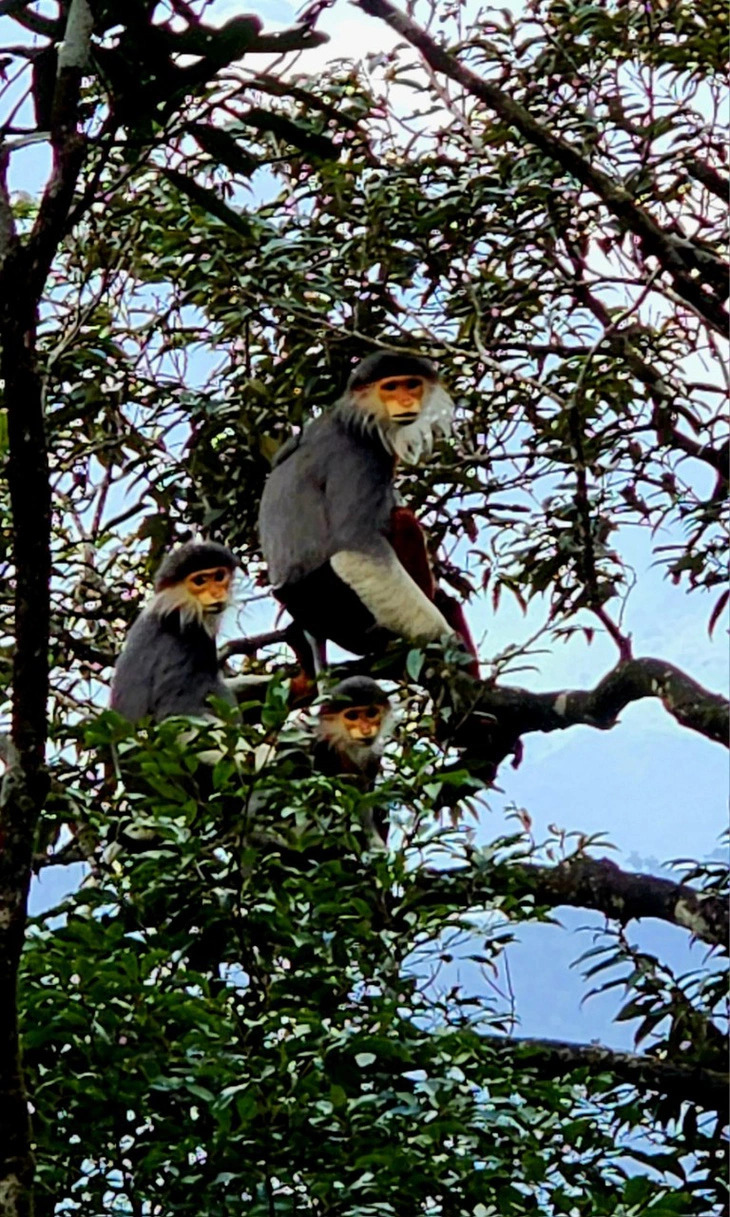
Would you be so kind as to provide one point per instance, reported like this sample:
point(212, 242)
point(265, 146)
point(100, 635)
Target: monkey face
point(210, 588)
point(394, 400)
point(359, 724)
point(400, 397)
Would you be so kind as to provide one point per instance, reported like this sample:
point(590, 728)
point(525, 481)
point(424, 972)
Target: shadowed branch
point(590, 883)
point(556, 1058)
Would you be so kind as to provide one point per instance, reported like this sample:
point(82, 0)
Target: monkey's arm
point(388, 592)
point(162, 672)
point(359, 502)
point(132, 682)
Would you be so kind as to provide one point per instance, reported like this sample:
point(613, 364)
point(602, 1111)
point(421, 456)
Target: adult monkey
point(348, 564)
point(169, 663)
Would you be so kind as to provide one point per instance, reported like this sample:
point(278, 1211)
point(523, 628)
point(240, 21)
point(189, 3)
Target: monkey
point(346, 738)
point(328, 520)
point(353, 726)
point(169, 663)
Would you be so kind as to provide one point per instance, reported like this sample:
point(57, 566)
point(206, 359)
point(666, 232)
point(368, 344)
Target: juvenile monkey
point(353, 727)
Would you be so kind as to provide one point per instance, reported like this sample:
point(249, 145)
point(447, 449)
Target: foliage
point(248, 1018)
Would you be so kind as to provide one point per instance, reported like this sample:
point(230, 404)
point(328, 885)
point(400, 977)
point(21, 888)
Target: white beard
point(332, 732)
point(178, 599)
point(413, 442)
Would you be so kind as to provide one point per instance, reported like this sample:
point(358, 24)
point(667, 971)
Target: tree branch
point(298, 38)
point(582, 882)
point(556, 1058)
point(65, 856)
point(709, 177)
point(680, 257)
point(22, 279)
point(67, 142)
point(664, 393)
point(249, 646)
point(22, 12)
point(487, 721)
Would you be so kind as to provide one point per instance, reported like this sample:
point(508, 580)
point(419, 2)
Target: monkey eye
point(406, 382)
point(221, 575)
point(372, 712)
point(351, 715)
point(199, 580)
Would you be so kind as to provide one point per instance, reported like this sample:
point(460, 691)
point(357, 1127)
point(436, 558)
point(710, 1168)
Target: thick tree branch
point(22, 278)
point(298, 38)
point(487, 721)
point(68, 146)
point(23, 13)
point(590, 883)
point(709, 177)
point(684, 1083)
point(24, 785)
point(680, 257)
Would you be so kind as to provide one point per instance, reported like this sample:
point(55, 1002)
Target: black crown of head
point(391, 363)
point(186, 559)
point(354, 691)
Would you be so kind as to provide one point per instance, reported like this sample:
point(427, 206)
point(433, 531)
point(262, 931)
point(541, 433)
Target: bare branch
point(23, 13)
point(709, 177)
point(299, 38)
point(582, 882)
point(249, 646)
point(493, 719)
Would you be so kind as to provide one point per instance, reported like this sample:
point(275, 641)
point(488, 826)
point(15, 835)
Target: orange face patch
point(210, 587)
point(362, 722)
point(401, 396)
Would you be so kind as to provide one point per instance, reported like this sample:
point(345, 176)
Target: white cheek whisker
point(178, 599)
point(410, 442)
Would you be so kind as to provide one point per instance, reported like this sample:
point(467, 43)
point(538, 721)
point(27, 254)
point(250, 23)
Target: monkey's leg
point(409, 543)
point(311, 655)
point(388, 592)
point(454, 614)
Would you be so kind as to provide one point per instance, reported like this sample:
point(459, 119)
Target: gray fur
point(330, 491)
point(166, 668)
